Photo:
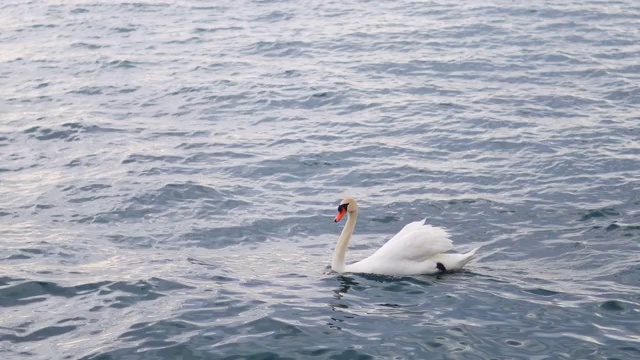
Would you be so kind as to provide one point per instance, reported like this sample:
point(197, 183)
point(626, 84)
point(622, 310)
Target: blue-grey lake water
point(170, 170)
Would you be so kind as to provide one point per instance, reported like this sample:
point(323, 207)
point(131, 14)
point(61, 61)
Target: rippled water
point(170, 170)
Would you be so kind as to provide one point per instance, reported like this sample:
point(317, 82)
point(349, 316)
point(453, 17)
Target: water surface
point(170, 170)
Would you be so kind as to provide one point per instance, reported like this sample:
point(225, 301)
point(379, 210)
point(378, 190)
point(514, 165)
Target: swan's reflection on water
point(370, 296)
point(375, 283)
point(360, 296)
point(346, 282)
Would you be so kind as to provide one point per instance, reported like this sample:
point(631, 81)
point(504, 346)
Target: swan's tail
point(466, 257)
point(454, 261)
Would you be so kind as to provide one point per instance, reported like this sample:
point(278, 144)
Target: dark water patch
point(267, 325)
point(179, 133)
point(88, 46)
point(630, 96)
point(7, 280)
point(152, 349)
point(138, 158)
point(393, 68)
point(122, 64)
point(321, 99)
point(190, 90)
point(256, 231)
point(275, 16)
point(209, 202)
point(600, 213)
point(136, 292)
point(387, 219)
point(207, 157)
point(630, 69)
point(630, 349)
point(124, 29)
point(164, 170)
point(350, 109)
point(217, 29)
point(253, 283)
point(233, 64)
point(143, 242)
point(223, 237)
point(93, 90)
point(18, 257)
point(38, 335)
point(208, 8)
point(77, 318)
point(94, 187)
point(187, 41)
point(35, 291)
point(79, 10)
point(289, 49)
point(33, 251)
point(208, 265)
point(50, 134)
point(195, 145)
point(291, 73)
point(374, 178)
point(612, 305)
point(293, 167)
point(39, 26)
point(67, 131)
point(175, 193)
point(144, 7)
point(74, 163)
point(161, 285)
point(128, 90)
point(542, 292)
point(44, 206)
point(627, 228)
point(212, 311)
point(156, 330)
point(286, 142)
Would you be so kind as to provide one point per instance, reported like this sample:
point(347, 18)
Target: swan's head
point(347, 205)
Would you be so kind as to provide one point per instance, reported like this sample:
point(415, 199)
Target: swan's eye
point(343, 207)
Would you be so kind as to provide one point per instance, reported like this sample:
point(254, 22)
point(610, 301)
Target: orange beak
point(340, 215)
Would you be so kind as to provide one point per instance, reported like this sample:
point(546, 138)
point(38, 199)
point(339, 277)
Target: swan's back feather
point(416, 241)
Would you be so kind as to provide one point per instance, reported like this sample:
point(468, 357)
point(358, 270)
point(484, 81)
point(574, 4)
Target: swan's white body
point(417, 249)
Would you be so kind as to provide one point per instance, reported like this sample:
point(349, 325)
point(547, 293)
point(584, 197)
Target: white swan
point(417, 249)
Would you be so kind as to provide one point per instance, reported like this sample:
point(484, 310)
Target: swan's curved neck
point(337, 263)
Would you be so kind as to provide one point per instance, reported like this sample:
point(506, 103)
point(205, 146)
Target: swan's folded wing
point(410, 227)
point(417, 241)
